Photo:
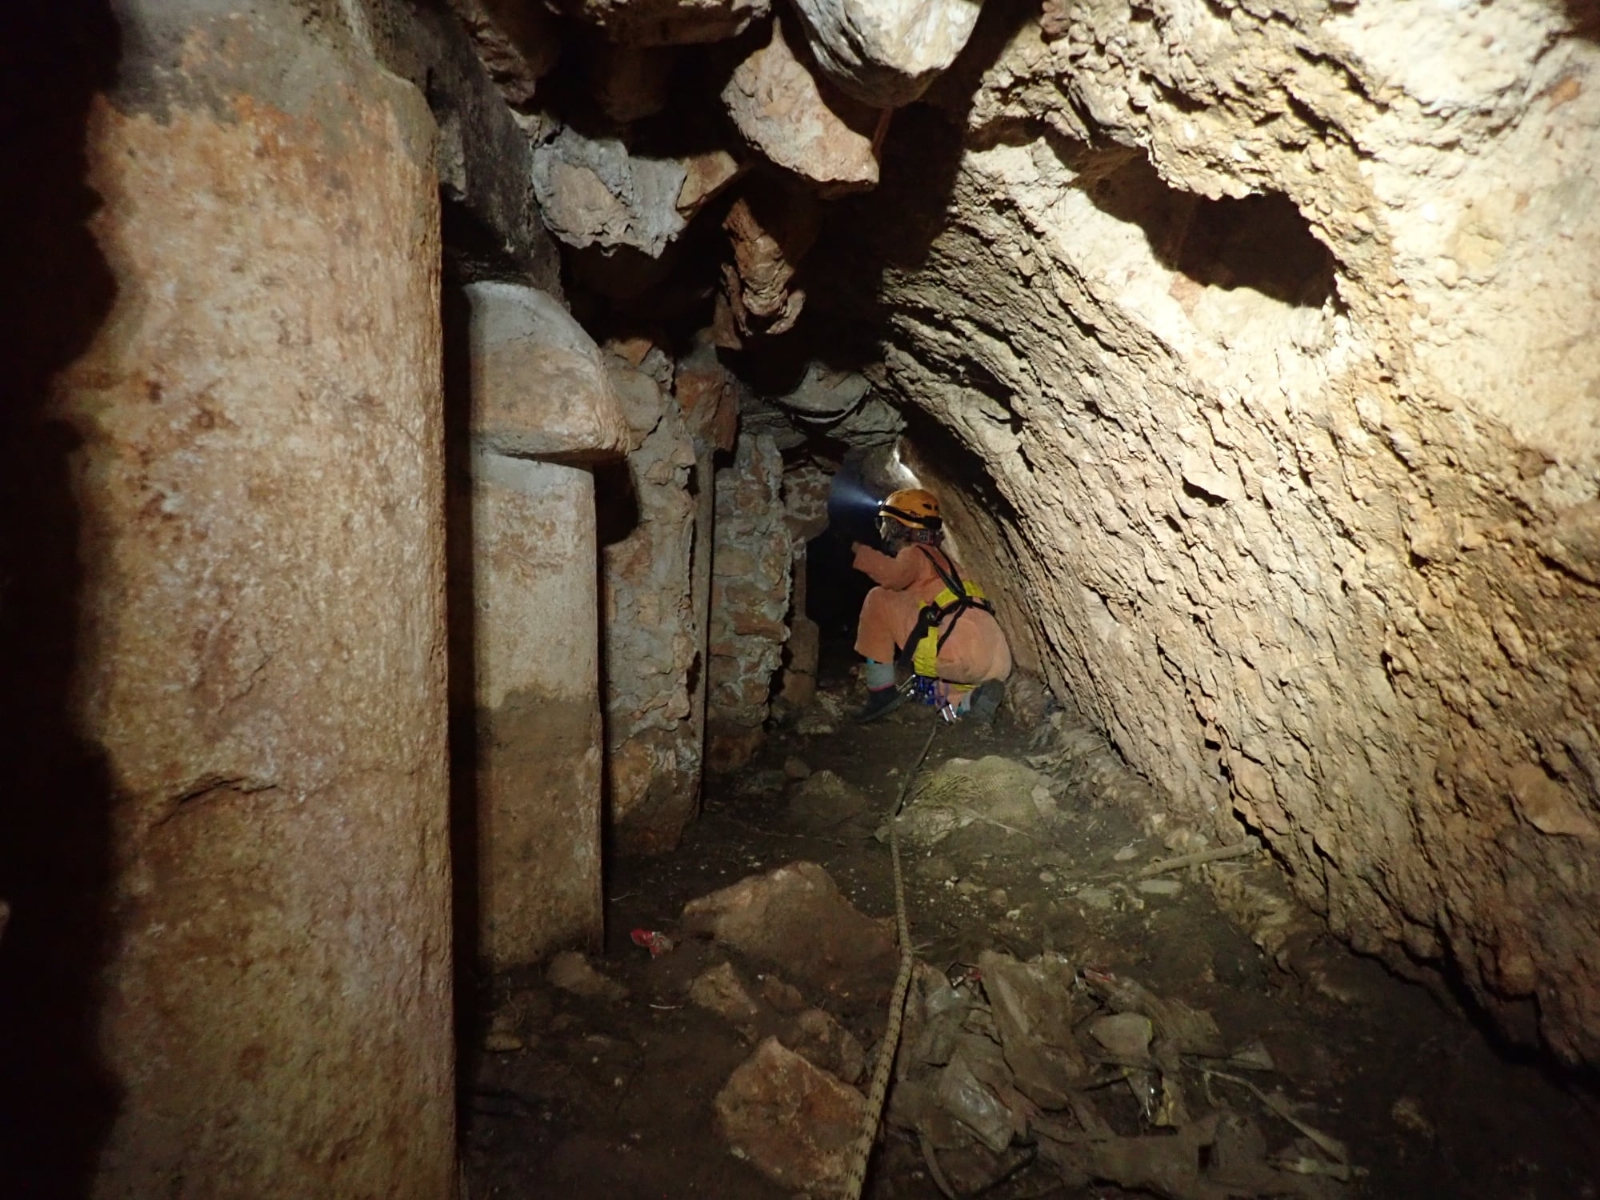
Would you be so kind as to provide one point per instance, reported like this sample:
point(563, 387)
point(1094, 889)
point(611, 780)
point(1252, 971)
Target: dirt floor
point(588, 1096)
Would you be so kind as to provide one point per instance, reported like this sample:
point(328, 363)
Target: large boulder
point(886, 52)
point(800, 122)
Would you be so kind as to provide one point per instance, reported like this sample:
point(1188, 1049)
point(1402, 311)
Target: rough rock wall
point(259, 654)
point(805, 507)
point(655, 639)
point(1273, 324)
point(492, 224)
point(749, 599)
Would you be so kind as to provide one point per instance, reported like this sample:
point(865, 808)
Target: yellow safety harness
point(931, 633)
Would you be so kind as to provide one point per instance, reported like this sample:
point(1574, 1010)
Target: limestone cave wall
point(1272, 325)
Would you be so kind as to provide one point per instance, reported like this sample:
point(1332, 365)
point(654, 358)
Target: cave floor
point(614, 1099)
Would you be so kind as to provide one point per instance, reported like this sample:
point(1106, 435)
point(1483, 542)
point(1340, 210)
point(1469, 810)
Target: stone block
point(538, 711)
point(539, 383)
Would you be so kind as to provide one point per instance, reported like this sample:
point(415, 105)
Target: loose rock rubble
point(1005, 1064)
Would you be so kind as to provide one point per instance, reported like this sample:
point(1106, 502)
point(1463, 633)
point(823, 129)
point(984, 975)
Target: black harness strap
point(932, 615)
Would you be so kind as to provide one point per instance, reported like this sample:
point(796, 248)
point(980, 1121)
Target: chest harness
point(930, 633)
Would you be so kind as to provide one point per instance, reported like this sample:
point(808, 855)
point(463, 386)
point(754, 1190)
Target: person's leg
point(887, 618)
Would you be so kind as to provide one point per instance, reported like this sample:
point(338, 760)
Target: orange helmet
point(914, 508)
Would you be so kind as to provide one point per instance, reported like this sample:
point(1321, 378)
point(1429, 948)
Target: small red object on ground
point(653, 941)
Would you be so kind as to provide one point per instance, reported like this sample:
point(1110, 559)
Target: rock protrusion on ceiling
point(642, 114)
point(885, 53)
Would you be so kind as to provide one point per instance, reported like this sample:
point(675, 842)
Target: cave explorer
point(925, 611)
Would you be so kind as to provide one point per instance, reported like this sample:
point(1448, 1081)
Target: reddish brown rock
point(823, 1042)
point(259, 655)
point(800, 122)
point(708, 396)
point(770, 231)
point(794, 1122)
point(655, 622)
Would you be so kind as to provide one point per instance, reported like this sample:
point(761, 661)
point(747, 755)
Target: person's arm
point(896, 574)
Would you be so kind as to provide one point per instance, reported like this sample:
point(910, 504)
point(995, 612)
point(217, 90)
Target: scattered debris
point(1215, 854)
point(500, 1042)
point(1408, 1114)
point(571, 972)
point(1159, 887)
point(822, 715)
point(782, 996)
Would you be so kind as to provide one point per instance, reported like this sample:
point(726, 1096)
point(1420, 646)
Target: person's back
point(925, 607)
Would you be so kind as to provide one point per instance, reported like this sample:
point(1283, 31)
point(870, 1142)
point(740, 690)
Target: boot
point(880, 702)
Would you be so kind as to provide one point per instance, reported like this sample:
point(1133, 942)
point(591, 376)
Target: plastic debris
point(652, 940)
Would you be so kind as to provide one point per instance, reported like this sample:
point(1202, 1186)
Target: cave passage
point(448, 450)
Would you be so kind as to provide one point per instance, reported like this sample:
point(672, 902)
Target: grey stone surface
point(594, 192)
point(886, 52)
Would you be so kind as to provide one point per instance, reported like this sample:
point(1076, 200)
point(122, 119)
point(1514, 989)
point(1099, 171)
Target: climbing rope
point(861, 1152)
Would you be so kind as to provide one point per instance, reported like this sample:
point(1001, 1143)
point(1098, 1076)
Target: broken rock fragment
point(796, 919)
point(770, 230)
point(800, 123)
point(886, 52)
point(825, 1043)
point(1125, 1036)
point(791, 1120)
point(720, 990)
point(594, 192)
